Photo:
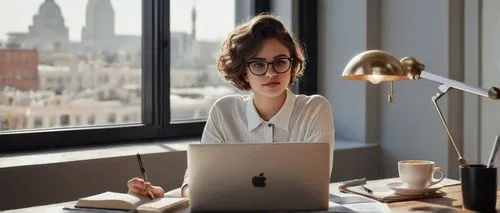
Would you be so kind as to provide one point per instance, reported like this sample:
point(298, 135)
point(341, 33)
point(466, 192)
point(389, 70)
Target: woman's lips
point(271, 84)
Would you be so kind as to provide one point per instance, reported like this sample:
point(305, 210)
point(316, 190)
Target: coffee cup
point(418, 174)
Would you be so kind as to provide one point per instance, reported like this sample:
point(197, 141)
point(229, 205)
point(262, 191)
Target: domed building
point(49, 23)
point(47, 29)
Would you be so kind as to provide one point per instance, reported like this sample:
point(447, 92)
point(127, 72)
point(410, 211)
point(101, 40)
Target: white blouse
point(302, 119)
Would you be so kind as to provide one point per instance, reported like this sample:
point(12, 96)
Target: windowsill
point(111, 151)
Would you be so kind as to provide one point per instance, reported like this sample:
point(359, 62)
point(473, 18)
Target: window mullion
point(148, 63)
point(308, 34)
point(163, 65)
point(262, 6)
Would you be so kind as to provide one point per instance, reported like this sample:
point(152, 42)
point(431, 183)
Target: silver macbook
point(258, 177)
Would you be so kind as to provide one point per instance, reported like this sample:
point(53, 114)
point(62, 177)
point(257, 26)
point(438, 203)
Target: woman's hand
point(140, 187)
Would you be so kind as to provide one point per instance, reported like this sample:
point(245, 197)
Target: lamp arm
point(493, 93)
point(443, 89)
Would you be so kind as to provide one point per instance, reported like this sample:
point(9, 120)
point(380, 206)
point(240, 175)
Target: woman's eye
point(258, 65)
point(280, 62)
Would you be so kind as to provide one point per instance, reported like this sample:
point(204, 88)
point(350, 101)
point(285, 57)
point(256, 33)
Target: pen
point(355, 182)
point(143, 170)
point(367, 189)
point(493, 153)
point(143, 173)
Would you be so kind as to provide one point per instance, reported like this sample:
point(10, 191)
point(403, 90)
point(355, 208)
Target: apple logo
point(259, 181)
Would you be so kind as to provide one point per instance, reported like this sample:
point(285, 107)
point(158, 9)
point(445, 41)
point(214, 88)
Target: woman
point(260, 56)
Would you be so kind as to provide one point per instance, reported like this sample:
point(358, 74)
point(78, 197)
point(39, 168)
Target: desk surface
point(451, 202)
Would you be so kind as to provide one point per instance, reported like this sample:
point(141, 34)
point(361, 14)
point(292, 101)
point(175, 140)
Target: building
point(98, 34)
point(45, 109)
point(48, 29)
point(98, 79)
point(87, 76)
point(54, 57)
point(19, 69)
point(63, 113)
point(55, 78)
point(99, 22)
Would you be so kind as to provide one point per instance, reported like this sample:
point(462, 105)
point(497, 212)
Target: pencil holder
point(479, 187)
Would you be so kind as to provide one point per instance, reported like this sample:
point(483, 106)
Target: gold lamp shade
point(377, 65)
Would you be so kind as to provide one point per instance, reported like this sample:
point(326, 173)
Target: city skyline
point(210, 26)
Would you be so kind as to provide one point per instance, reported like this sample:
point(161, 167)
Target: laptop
point(258, 177)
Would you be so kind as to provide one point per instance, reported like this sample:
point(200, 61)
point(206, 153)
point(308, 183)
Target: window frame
point(308, 35)
point(155, 98)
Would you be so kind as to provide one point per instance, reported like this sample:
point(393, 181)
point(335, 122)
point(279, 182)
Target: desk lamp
point(377, 66)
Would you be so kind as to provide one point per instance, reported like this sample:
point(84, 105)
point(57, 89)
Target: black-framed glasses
point(280, 65)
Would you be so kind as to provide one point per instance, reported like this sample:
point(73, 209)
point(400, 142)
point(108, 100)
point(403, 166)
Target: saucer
point(401, 189)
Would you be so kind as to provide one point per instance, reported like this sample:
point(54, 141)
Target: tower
point(99, 21)
point(193, 21)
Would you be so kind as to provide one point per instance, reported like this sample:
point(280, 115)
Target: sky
point(215, 18)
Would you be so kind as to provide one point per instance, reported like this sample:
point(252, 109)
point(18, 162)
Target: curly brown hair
point(245, 41)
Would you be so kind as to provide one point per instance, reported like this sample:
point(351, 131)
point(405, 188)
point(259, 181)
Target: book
point(122, 201)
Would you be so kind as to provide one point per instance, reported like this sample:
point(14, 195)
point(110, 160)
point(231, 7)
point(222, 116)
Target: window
point(38, 123)
point(91, 120)
point(125, 119)
point(135, 117)
point(18, 74)
point(4, 122)
point(109, 28)
point(64, 120)
point(24, 123)
point(112, 118)
point(195, 82)
point(52, 122)
point(78, 119)
point(158, 98)
point(12, 122)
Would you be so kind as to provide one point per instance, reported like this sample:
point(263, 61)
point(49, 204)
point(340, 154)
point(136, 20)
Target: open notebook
point(121, 201)
point(381, 192)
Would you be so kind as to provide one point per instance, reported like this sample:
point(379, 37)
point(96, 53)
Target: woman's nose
point(271, 73)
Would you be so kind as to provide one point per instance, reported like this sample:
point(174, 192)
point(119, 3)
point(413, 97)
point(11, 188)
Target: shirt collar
point(281, 119)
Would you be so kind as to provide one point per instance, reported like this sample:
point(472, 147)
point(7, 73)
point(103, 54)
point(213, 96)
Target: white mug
point(418, 174)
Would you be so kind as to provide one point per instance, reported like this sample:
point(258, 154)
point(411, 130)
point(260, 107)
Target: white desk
point(451, 202)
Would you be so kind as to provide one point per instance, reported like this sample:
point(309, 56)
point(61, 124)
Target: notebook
point(121, 201)
point(258, 177)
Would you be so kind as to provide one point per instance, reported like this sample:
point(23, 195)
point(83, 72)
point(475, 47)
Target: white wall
point(410, 128)
point(472, 69)
point(482, 53)
point(431, 31)
point(346, 28)
point(490, 76)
